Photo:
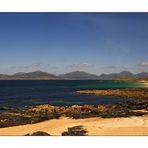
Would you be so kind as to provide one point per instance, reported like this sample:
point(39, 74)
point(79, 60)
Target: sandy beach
point(92, 126)
point(128, 118)
point(144, 82)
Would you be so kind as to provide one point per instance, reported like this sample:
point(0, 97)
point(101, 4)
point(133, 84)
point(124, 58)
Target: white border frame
point(74, 6)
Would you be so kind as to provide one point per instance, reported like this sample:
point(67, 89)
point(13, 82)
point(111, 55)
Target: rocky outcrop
point(126, 93)
point(35, 114)
point(75, 131)
point(38, 133)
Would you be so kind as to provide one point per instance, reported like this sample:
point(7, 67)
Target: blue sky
point(63, 42)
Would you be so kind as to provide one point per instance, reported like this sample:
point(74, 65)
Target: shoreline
point(36, 114)
point(127, 118)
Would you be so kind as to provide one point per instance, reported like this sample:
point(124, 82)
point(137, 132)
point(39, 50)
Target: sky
point(63, 42)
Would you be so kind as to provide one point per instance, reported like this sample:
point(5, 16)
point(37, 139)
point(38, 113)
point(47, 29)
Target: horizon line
point(70, 72)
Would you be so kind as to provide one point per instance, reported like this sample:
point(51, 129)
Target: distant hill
point(142, 75)
point(37, 75)
point(123, 74)
point(75, 75)
point(79, 75)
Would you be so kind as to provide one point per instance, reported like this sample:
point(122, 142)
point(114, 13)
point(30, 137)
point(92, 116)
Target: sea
point(21, 93)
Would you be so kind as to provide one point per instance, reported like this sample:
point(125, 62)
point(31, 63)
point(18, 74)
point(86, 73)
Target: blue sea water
point(21, 93)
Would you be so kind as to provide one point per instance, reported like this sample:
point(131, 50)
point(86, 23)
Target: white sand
point(144, 82)
point(93, 126)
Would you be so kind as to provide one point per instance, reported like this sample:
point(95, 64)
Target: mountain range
point(36, 75)
point(75, 75)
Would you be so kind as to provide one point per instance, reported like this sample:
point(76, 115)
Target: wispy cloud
point(54, 68)
point(144, 64)
point(35, 65)
point(81, 65)
point(116, 67)
point(30, 66)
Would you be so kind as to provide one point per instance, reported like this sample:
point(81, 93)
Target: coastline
point(128, 118)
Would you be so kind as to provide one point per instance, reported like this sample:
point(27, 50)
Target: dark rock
point(38, 133)
point(75, 131)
